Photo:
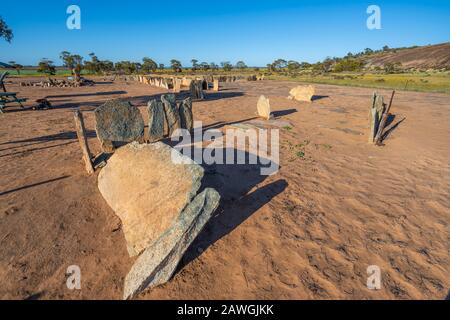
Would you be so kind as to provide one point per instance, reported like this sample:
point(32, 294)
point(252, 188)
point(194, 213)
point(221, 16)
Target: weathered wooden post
point(375, 114)
point(82, 139)
point(384, 118)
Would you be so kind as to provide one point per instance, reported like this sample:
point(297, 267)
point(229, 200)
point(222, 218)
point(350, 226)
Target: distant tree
point(279, 64)
point(391, 67)
point(213, 66)
point(5, 31)
point(368, 51)
point(226, 66)
point(162, 66)
point(270, 67)
point(74, 62)
point(305, 65)
point(16, 66)
point(46, 66)
point(241, 65)
point(149, 65)
point(175, 65)
point(349, 64)
point(204, 66)
point(194, 64)
point(385, 48)
point(106, 66)
point(293, 66)
point(127, 67)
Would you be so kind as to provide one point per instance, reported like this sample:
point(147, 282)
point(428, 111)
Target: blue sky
point(256, 31)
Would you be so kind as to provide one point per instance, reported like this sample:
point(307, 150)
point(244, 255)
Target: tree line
point(350, 62)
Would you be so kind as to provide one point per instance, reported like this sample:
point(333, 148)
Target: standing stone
point(205, 85)
point(117, 122)
point(165, 84)
point(171, 112)
point(157, 264)
point(147, 190)
point(176, 85)
point(303, 93)
point(196, 90)
point(155, 120)
point(186, 116)
point(216, 85)
point(263, 107)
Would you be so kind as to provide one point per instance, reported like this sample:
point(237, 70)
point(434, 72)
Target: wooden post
point(81, 133)
point(379, 135)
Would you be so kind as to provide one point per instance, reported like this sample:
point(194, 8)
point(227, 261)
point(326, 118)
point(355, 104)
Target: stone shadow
point(234, 183)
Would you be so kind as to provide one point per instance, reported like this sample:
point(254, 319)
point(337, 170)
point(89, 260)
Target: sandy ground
point(336, 206)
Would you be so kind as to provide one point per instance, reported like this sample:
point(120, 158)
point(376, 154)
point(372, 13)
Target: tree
point(213, 66)
point(46, 66)
point(5, 31)
point(279, 64)
point(194, 64)
point(74, 62)
point(106, 66)
point(226, 66)
point(204, 66)
point(127, 67)
point(348, 65)
point(293, 66)
point(385, 48)
point(175, 65)
point(241, 65)
point(162, 66)
point(16, 66)
point(368, 51)
point(149, 65)
point(391, 67)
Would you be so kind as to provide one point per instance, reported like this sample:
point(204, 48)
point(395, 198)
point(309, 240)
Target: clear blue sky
point(256, 31)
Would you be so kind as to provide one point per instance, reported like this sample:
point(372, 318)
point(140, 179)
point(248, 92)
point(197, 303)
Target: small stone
point(263, 107)
point(303, 93)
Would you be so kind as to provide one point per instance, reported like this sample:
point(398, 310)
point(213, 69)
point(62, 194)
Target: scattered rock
point(263, 107)
point(303, 93)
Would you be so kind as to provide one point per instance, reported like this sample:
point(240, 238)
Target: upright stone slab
point(186, 116)
point(303, 93)
point(196, 90)
point(157, 263)
point(263, 107)
point(156, 120)
point(118, 121)
point(171, 112)
point(216, 85)
point(205, 85)
point(176, 85)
